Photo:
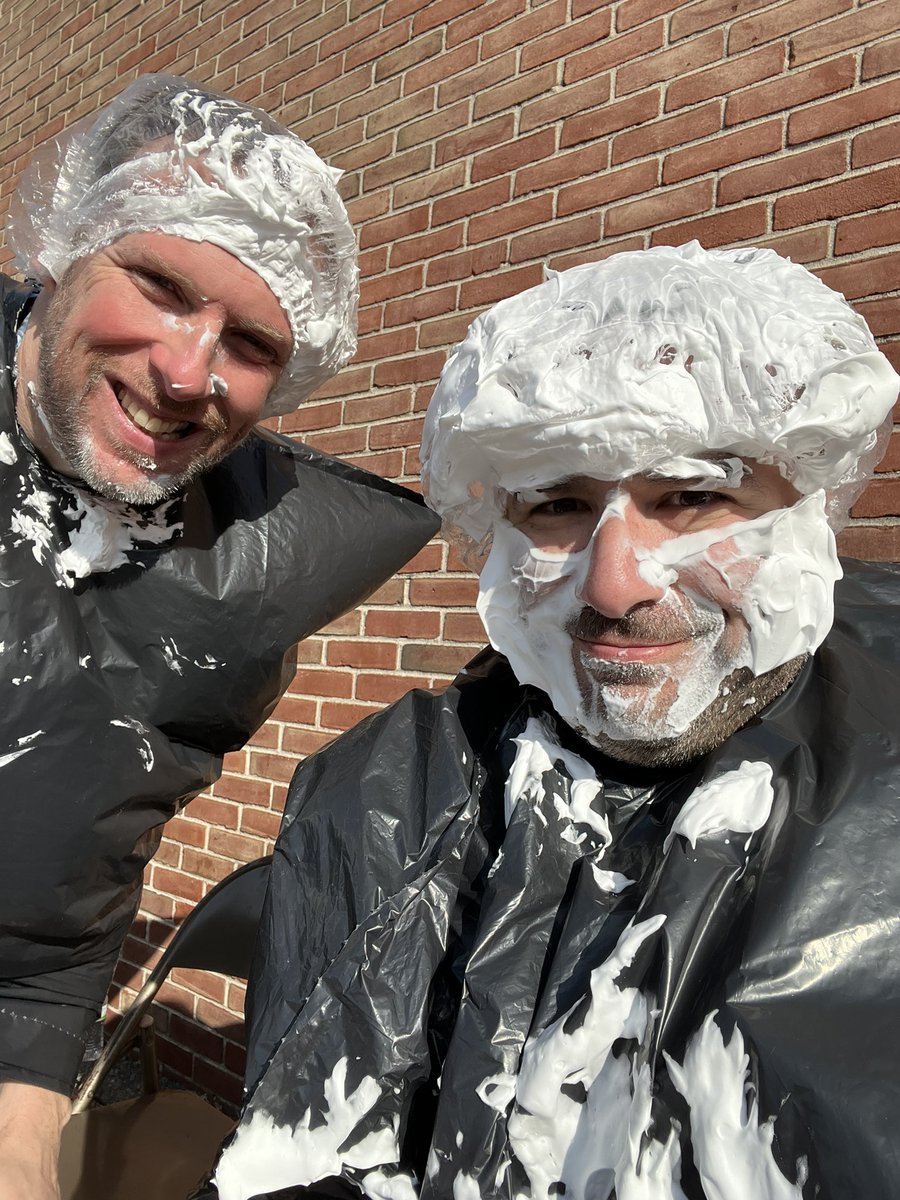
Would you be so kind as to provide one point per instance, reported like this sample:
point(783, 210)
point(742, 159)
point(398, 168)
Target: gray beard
point(747, 695)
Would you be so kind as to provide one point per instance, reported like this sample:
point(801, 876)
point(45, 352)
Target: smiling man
point(618, 909)
point(192, 270)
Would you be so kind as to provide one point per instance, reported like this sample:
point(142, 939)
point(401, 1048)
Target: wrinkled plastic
point(122, 689)
point(171, 155)
point(410, 933)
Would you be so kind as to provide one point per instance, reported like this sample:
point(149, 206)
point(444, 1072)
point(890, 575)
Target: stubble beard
point(627, 702)
point(59, 407)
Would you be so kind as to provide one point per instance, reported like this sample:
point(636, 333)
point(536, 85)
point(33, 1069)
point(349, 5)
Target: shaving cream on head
point(619, 367)
point(171, 156)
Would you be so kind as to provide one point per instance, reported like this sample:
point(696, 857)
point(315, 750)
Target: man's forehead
point(724, 470)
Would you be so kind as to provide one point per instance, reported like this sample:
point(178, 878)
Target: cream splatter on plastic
point(175, 660)
point(102, 535)
point(732, 1151)
point(144, 749)
point(7, 450)
point(536, 754)
point(172, 156)
point(582, 1143)
point(738, 800)
point(265, 1157)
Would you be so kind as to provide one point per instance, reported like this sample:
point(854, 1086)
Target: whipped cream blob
point(171, 156)
point(675, 364)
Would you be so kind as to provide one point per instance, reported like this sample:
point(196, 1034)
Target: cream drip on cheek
point(777, 570)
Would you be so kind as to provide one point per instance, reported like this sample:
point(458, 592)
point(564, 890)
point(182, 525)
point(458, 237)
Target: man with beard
point(195, 271)
point(614, 915)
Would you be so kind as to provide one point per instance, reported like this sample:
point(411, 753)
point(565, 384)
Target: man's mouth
point(144, 419)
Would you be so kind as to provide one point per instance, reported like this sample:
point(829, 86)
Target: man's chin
point(637, 735)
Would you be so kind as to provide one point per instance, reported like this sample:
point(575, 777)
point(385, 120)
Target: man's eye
point(154, 282)
point(560, 507)
point(696, 499)
point(253, 349)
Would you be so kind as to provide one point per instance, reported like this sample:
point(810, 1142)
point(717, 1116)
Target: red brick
point(653, 136)
point(870, 191)
point(471, 201)
point(520, 215)
point(445, 333)
point(867, 277)
point(863, 233)
point(174, 883)
point(672, 63)
point(322, 683)
point(783, 19)
point(497, 97)
point(363, 654)
point(398, 166)
point(301, 743)
point(416, 249)
point(861, 28)
point(561, 235)
point(846, 112)
point(719, 229)
point(430, 658)
point(216, 812)
point(294, 711)
point(434, 126)
point(877, 543)
point(612, 185)
point(623, 115)
point(485, 16)
point(395, 341)
point(725, 78)
point(524, 150)
point(312, 416)
point(525, 30)
point(716, 152)
point(385, 688)
point(470, 140)
point(464, 627)
point(371, 100)
point(396, 433)
point(627, 47)
point(413, 309)
point(207, 866)
point(338, 716)
point(576, 98)
point(693, 18)
point(397, 283)
point(881, 59)
point(565, 39)
point(238, 789)
point(880, 499)
point(876, 145)
point(439, 12)
point(406, 623)
point(435, 183)
point(809, 166)
point(443, 592)
point(408, 370)
point(651, 211)
point(575, 165)
point(261, 822)
point(438, 69)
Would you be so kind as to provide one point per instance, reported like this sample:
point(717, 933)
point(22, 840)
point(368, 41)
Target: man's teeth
point(146, 420)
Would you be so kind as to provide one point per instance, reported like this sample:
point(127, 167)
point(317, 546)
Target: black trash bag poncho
point(506, 968)
point(137, 648)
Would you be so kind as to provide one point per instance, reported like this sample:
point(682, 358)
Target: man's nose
point(614, 584)
point(182, 359)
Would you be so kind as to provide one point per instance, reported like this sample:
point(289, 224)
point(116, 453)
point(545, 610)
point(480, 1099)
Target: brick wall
point(481, 139)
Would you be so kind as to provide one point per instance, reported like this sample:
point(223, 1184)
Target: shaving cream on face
point(168, 155)
point(754, 593)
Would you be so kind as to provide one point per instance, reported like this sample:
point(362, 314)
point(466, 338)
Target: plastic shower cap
point(649, 357)
point(172, 156)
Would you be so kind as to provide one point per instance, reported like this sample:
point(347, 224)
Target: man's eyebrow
point(249, 325)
